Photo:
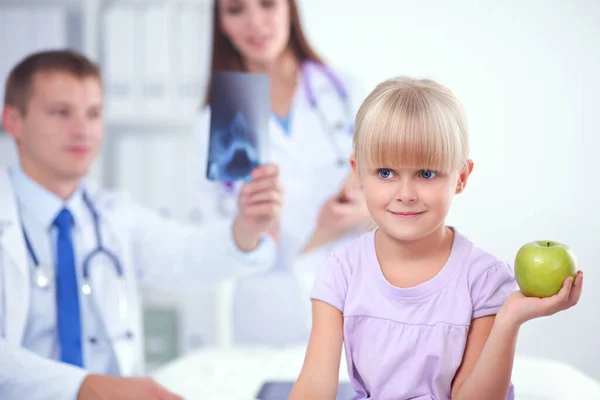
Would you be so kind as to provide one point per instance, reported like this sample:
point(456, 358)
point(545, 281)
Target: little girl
point(422, 312)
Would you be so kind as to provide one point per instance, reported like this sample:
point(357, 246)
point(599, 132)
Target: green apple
point(541, 267)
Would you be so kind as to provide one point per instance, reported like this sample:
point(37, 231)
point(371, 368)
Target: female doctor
point(310, 138)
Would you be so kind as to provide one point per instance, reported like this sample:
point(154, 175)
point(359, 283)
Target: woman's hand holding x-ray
point(341, 213)
point(259, 206)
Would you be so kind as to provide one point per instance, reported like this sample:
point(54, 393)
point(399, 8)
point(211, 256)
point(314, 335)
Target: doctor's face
point(258, 29)
point(60, 132)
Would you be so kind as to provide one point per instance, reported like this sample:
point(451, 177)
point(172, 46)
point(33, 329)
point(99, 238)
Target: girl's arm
point(487, 364)
point(320, 372)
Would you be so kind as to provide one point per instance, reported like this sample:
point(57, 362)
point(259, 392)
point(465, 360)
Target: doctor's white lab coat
point(152, 250)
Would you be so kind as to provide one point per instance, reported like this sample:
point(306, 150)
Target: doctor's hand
point(104, 387)
point(341, 213)
point(345, 211)
point(259, 206)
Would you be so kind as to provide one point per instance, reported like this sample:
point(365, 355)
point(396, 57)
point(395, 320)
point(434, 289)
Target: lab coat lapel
point(279, 137)
point(14, 263)
point(304, 126)
point(281, 142)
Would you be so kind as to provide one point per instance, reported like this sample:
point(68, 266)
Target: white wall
point(527, 72)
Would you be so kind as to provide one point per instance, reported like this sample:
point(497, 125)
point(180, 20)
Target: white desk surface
point(238, 373)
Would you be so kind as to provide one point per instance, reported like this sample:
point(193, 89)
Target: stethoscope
point(43, 276)
point(227, 203)
point(338, 125)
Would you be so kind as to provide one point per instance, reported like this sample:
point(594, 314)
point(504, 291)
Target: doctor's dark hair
point(19, 84)
point(225, 57)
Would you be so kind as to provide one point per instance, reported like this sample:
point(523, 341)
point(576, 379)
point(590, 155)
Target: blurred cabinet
point(17, 38)
point(154, 56)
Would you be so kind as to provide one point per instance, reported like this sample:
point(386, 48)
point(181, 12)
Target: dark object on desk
point(282, 390)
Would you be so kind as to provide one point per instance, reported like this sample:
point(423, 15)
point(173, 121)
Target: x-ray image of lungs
point(233, 151)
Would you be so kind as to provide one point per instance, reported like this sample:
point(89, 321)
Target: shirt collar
point(42, 204)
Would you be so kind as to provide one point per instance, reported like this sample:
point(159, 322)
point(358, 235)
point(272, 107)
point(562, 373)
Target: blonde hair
point(414, 123)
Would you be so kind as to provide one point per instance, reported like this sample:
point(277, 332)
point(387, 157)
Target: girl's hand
point(518, 308)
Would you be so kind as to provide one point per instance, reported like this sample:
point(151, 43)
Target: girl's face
point(408, 203)
point(258, 29)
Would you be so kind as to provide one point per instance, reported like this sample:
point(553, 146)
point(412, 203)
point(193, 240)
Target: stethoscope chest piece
point(86, 289)
point(42, 276)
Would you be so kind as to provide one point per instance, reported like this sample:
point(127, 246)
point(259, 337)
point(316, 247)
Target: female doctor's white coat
point(151, 250)
point(274, 308)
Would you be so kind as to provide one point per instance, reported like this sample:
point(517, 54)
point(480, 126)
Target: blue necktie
point(67, 297)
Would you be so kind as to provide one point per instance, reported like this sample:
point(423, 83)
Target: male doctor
point(56, 340)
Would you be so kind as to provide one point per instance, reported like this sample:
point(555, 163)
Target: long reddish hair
point(225, 56)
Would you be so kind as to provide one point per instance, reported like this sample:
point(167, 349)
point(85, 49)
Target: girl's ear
point(463, 177)
point(355, 171)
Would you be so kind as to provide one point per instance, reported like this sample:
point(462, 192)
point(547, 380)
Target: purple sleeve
point(331, 282)
point(491, 289)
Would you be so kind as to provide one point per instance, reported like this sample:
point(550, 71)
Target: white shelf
point(159, 2)
point(129, 161)
point(77, 4)
point(153, 124)
point(80, 3)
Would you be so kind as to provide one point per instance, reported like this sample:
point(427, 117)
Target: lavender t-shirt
point(407, 343)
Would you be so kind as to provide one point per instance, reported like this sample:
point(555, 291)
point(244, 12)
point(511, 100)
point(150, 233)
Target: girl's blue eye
point(384, 173)
point(428, 174)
